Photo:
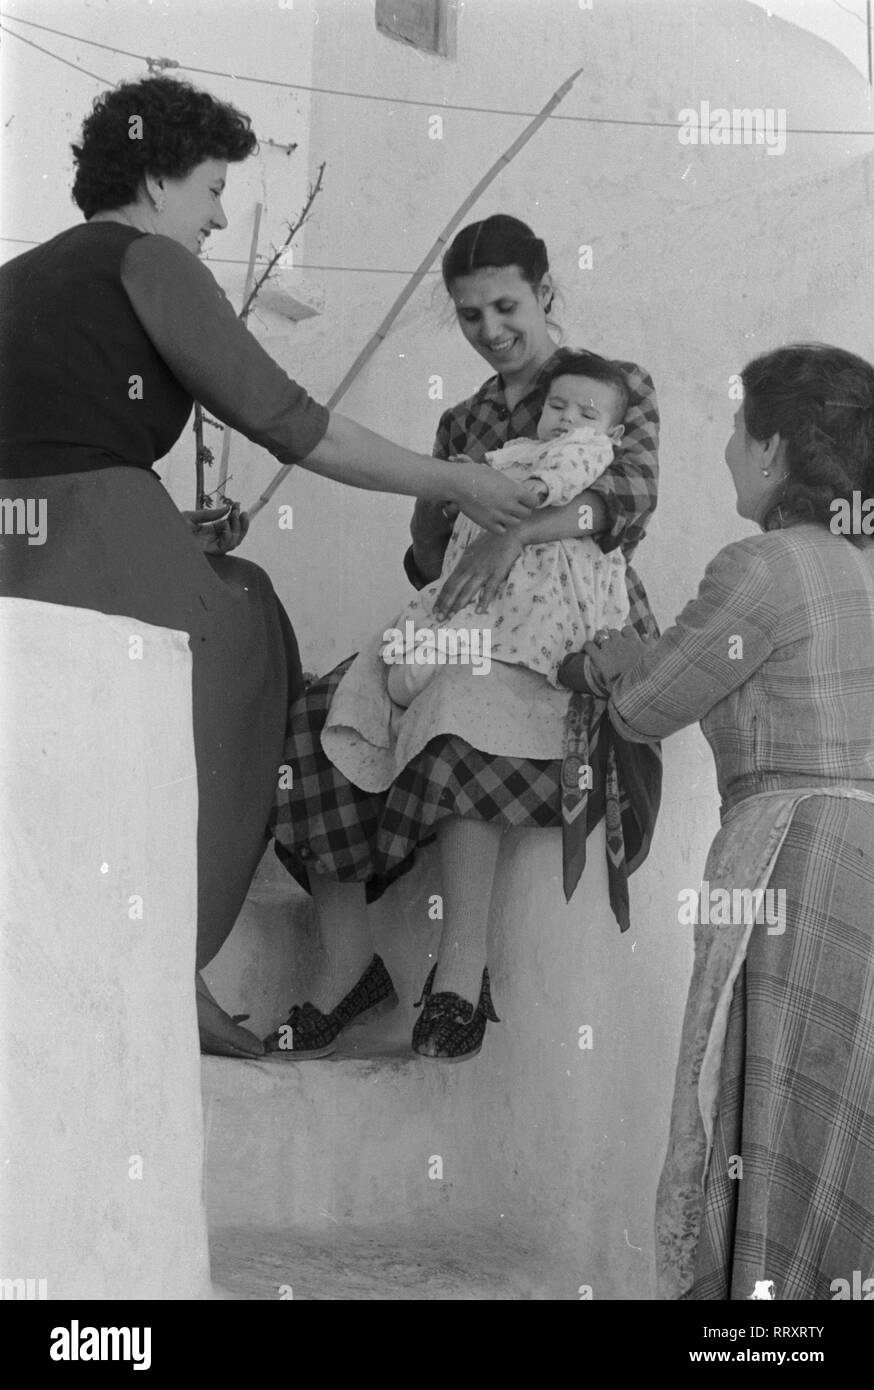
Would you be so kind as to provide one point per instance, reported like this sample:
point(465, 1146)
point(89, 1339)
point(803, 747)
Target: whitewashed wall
point(101, 1132)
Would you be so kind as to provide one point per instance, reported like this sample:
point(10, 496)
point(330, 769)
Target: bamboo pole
point(244, 314)
point(419, 274)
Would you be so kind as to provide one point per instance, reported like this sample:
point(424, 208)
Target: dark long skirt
point(117, 544)
point(796, 1097)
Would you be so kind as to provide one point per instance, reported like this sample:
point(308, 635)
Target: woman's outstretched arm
point(430, 528)
point(349, 453)
point(216, 359)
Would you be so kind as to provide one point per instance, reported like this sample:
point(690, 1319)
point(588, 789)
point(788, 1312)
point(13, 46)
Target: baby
point(558, 593)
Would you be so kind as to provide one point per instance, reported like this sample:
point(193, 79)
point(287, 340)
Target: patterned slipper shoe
point(308, 1033)
point(449, 1028)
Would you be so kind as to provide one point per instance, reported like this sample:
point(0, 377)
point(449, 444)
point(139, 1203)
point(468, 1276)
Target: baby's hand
point(538, 488)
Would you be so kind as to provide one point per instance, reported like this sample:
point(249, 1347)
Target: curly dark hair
point(181, 127)
point(820, 400)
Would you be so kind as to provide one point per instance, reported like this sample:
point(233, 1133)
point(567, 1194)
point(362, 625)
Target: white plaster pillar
point(101, 1139)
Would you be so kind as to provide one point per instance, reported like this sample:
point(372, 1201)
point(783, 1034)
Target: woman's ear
point(774, 454)
point(155, 191)
point(546, 292)
point(764, 451)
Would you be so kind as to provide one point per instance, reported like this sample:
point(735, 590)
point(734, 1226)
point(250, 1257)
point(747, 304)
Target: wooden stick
point(244, 314)
point(199, 459)
point(419, 274)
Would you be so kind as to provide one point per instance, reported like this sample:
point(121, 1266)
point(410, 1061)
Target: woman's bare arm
point(351, 454)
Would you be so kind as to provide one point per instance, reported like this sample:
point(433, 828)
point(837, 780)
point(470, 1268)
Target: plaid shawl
point(604, 775)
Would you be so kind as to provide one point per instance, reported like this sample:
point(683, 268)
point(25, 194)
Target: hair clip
point(473, 245)
point(848, 405)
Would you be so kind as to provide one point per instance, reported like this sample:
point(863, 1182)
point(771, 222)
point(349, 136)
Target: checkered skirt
point(325, 823)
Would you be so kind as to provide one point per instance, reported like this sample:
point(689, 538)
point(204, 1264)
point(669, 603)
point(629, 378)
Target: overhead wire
point(435, 106)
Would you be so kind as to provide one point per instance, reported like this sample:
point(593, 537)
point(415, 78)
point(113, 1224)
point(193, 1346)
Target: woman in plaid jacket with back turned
point(769, 1174)
point(471, 781)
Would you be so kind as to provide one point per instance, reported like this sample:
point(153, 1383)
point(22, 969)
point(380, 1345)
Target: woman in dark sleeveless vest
point(109, 331)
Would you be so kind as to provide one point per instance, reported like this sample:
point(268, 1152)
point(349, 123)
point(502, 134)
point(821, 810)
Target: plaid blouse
point(775, 657)
point(628, 488)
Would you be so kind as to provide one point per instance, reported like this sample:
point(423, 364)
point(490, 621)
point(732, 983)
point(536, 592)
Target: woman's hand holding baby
point(481, 571)
point(607, 656)
point(613, 651)
point(491, 500)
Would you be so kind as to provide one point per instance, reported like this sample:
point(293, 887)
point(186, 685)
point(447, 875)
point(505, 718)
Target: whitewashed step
point(372, 1134)
point(559, 1125)
point(448, 1263)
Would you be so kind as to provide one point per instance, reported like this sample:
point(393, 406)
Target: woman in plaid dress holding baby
point(467, 784)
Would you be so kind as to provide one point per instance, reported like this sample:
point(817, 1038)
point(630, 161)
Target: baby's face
point(573, 401)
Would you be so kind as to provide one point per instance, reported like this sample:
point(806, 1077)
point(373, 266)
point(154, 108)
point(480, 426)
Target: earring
point(766, 472)
point(160, 204)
